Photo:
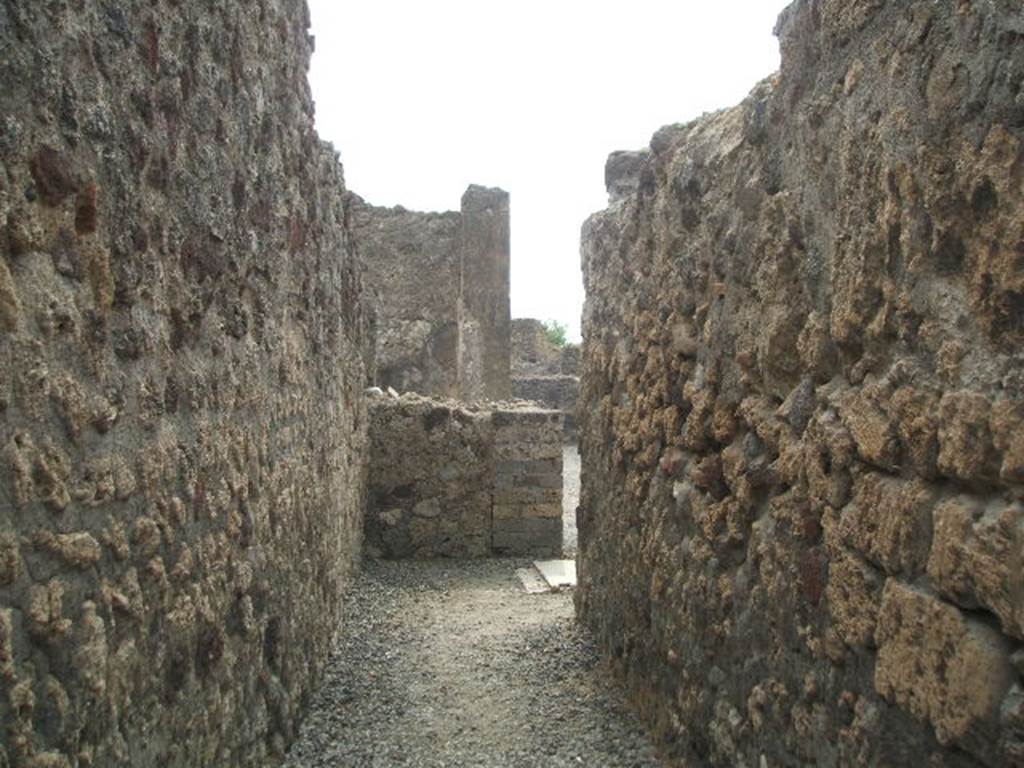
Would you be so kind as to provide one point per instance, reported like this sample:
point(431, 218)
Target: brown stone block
point(537, 537)
point(544, 510)
point(942, 667)
point(1007, 423)
point(540, 437)
point(965, 441)
point(78, 550)
point(873, 430)
point(538, 481)
point(54, 177)
point(527, 416)
point(889, 521)
point(976, 558)
point(917, 423)
point(529, 466)
point(10, 559)
point(509, 510)
point(853, 597)
point(527, 451)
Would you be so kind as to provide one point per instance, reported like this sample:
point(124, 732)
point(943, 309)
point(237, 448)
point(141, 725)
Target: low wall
point(558, 393)
point(452, 480)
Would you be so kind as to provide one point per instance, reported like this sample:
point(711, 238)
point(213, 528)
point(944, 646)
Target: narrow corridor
point(451, 663)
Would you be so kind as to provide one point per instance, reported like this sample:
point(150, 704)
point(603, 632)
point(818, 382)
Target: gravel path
point(450, 663)
point(570, 498)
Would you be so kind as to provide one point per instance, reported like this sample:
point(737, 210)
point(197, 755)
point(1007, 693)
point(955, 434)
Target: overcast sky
point(423, 97)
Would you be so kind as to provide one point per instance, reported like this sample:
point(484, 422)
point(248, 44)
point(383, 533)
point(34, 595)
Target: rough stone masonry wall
point(543, 372)
point(801, 524)
point(440, 282)
point(181, 421)
point(454, 480)
point(413, 266)
point(532, 353)
point(560, 393)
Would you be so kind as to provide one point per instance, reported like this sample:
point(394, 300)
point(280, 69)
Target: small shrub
point(555, 332)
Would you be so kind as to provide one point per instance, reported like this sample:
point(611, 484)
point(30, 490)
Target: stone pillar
point(484, 355)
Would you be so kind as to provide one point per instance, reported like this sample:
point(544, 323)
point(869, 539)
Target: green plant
point(555, 332)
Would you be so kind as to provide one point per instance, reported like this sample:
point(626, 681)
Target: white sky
point(423, 97)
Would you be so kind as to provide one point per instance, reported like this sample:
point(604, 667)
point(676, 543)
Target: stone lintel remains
point(440, 285)
point(449, 479)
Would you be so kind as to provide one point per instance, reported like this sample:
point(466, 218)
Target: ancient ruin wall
point(413, 269)
point(181, 417)
point(543, 372)
point(449, 479)
point(533, 354)
point(801, 524)
point(559, 393)
point(484, 366)
point(440, 286)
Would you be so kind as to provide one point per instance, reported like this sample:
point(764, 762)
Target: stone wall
point(527, 515)
point(532, 353)
point(413, 269)
point(440, 285)
point(544, 373)
point(454, 480)
point(801, 524)
point(559, 393)
point(181, 418)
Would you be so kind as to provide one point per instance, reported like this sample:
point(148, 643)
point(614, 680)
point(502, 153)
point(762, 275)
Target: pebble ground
point(451, 663)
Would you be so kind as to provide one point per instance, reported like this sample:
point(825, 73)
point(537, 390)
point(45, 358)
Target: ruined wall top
point(440, 283)
point(534, 354)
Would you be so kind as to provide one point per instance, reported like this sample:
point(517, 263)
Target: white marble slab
point(559, 574)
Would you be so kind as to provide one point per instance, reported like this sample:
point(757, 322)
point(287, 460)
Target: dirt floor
point(451, 663)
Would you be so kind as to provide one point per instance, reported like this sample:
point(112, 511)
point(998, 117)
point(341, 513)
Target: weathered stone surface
point(801, 384)
point(543, 373)
point(440, 285)
point(533, 354)
point(413, 271)
point(852, 594)
point(977, 558)
point(181, 368)
point(486, 254)
point(430, 478)
point(449, 479)
point(559, 393)
point(890, 522)
point(942, 667)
